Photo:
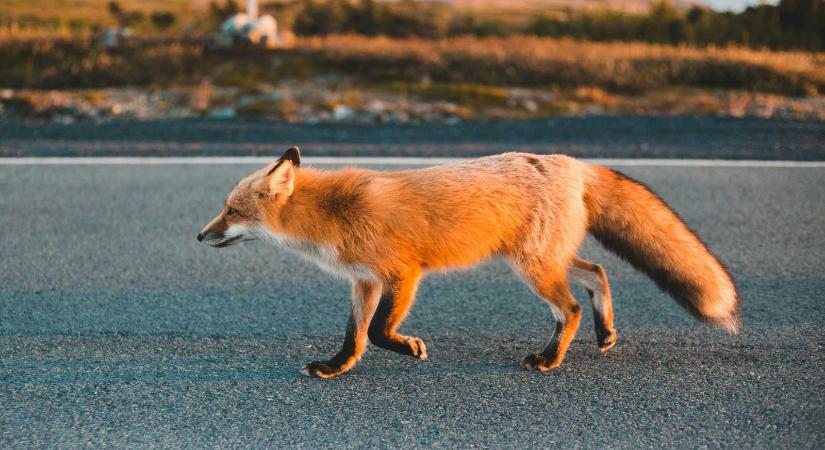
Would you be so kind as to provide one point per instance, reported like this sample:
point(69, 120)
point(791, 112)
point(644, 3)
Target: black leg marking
point(542, 361)
point(388, 316)
point(338, 364)
point(605, 337)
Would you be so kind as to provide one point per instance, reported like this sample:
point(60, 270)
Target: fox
point(385, 230)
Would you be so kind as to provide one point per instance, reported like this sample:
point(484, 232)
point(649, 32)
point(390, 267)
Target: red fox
point(385, 230)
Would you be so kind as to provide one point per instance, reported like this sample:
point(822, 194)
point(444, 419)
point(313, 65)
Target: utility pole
point(252, 9)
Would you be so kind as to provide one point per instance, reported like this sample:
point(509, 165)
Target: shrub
point(163, 20)
point(510, 61)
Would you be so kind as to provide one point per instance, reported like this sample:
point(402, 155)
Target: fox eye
point(231, 212)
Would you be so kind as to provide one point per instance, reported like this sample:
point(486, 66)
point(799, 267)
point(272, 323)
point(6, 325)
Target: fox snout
point(201, 236)
point(219, 239)
point(211, 237)
point(219, 233)
point(214, 234)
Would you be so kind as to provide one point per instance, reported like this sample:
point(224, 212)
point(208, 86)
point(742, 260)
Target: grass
point(62, 17)
point(465, 94)
point(531, 61)
point(460, 68)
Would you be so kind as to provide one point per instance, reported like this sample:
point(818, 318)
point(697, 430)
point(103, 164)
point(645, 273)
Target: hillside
point(632, 6)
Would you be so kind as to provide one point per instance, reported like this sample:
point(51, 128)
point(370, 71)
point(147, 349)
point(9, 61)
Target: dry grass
point(535, 61)
point(514, 61)
point(58, 18)
point(76, 63)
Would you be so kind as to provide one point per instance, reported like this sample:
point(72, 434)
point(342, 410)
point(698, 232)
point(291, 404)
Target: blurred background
point(396, 62)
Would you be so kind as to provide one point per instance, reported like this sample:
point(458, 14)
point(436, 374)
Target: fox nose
point(200, 237)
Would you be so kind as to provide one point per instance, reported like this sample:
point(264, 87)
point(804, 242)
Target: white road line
point(375, 160)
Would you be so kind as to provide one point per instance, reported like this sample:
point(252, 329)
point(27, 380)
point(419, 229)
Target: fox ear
point(280, 179)
point(292, 154)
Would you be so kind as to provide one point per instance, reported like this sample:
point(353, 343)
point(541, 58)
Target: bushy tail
point(633, 222)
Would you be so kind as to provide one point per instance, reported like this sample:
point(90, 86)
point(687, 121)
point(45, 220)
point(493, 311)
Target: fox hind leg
point(593, 279)
point(396, 300)
point(551, 286)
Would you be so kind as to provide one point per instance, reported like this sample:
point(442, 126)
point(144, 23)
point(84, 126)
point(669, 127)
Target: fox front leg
point(396, 301)
point(365, 296)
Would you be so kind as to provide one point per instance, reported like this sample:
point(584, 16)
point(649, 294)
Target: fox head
point(242, 217)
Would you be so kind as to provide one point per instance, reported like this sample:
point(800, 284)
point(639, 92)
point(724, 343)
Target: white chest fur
point(323, 256)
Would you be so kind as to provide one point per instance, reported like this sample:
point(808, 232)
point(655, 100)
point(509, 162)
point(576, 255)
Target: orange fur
point(386, 229)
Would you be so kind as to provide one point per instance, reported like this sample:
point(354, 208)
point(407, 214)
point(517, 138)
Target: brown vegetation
point(510, 61)
point(531, 61)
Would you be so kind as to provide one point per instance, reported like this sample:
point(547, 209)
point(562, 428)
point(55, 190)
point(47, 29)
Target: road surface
point(119, 329)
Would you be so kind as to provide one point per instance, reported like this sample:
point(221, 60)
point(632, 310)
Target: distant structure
point(249, 29)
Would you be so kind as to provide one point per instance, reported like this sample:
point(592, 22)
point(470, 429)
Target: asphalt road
point(117, 328)
point(597, 136)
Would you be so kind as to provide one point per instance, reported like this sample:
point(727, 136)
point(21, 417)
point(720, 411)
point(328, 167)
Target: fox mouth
point(227, 242)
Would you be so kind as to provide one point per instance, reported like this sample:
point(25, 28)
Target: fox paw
point(539, 362)
point(321, 369)
point(607, 341)
point(417, 348)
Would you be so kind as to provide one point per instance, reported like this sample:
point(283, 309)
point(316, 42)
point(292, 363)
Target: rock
point(343, 113)
point(223, 113)
point(108, 38)
point(112, 37)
